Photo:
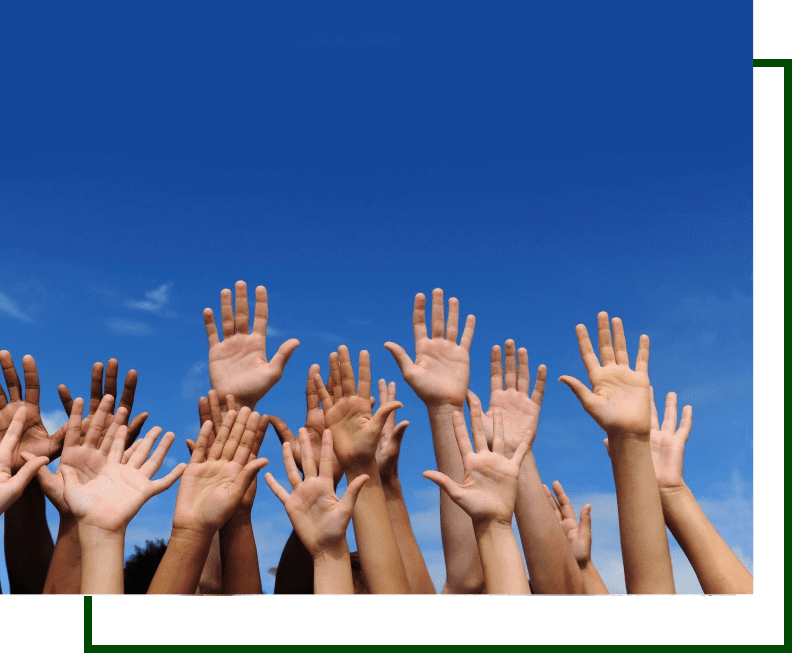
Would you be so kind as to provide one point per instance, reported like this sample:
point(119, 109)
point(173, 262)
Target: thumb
point(352, 492)
point(379, 418)
point(584, 528)
point(45, 476)
point(580, 390)
point(248, 473)
point(190, 445)
point(21, 479)
point(281, 429)
point(450, 488)
point(402, 358)
point(284, 353)
point(398, 431)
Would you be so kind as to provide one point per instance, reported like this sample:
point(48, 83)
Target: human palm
point(578, 533)
point(389, 445)
point(319, 517)
point(667, 443)
point(208, 494)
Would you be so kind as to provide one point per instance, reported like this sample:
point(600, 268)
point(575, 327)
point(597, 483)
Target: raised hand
point(110, 388)
point(314, 422)
point(441, 371)
point(619, 402)
point(319, 517)
point(667, 443)
point(520, 410)
point(489, 488)
point(578, 534)
point(238, 365)
point(356, 432)
point(218, 477)
point(34, 438)
point(13, 484)
point(391, 437)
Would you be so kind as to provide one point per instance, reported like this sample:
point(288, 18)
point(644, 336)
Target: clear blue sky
point(539, 163)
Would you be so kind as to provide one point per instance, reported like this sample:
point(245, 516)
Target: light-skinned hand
point(391, 437)
point(13, 484)
point(579, 534)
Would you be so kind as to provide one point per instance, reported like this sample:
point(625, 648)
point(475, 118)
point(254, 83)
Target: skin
point(13, 484)
point(551, 566)
point(356, 433)
point(212, 488)
point(717, 567)
point(440, 376)
point(488, 493)
point(620, 404)
point(319, 517)
point(238, 365)
point(579, 537)
point(388, 465)
point(104, 489)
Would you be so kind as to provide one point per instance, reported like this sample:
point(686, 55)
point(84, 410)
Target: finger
point(97, 427)
point(11, 377)
point(292, 473)
point(379, 418)
point(498, 445)
point(419, 317)
point(199, 451)
point(136, 445)
point(222, 435)
point(563, 501)
point(115, 452)
point(687, 423)
point(111, 379)
point(477, 422)
point(607, 448)
point(326, 455)
point(467, 334)
point(162, 484)
point(135, 426)
point(590, 360)
point(227, 313)
point(261, 431)
point(231, 443)
point(97, 374)
point(324, 397)
point(511, 366)
point(14, 431)
point(261, 316)
point(347, 373)
point(620, 343)
point(383, 391)
point(74, 427)
point(211, 328)
point(353, 491)
point(523, 375)
point(335, 377)
point(452, 328)
point(65, 397)
point(215, 411)
point(308, 462)
point(580, 390)
point(203, 410)
point(670, 414)
point(137, 459)
point(398, 432)
point(605, 345)
point(584, 527)
point(30, 372)
point(311, 395)
point(445, 483)
point(520, 452)
point(496, 370)
point(128, 393)
point(401, 357)
point(642, 361)
point(277, 488)
point(119, 420)
point(242, 317)
point(248, 473)
point(553, 503)
point(284, 353)
point(26, 473)
point(539, 386)
point(461, 434)
point(364, 375)
point(281, 429)
point(655, 425)
point(153, 464)
point(438, 313)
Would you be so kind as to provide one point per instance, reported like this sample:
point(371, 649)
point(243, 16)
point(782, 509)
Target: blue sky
point(537, 167)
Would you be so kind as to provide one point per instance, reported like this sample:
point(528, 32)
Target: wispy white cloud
point(53, 420)
point(128, 327)
point(196, 381)
point(10, 308)
point(155, 302)
point(272, 331)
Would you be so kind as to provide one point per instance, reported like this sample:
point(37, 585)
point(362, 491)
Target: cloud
point(10, 308)
point(128, 327)
point(272, 331)
point(196, 381)
point(53, 420)
point(155, 301)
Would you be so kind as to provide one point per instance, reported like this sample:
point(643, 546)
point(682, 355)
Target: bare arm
point(28, 542)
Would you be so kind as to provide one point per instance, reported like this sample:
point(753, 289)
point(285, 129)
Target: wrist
point(620, 435)
point(445, 408)
point(331, 554)
point(92, 536)
point(671, 495)
point(363, 467)
point(190, 535)
point(492, 528)
point(240, 519)
point(585, 565)
point(391, 485)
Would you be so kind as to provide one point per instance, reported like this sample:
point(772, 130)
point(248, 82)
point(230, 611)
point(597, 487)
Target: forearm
point(380, 560)
point(592, 581)
point(28, 542)
point(717, 567)
point(501, 560)
point(644, 543)
point(211, 581)
point(65, 571)
point(464, 574)
point(180, 568)
point(102, 561)
point(412, 558)
point(551, 564)
point(333, 571)
point(240, 566)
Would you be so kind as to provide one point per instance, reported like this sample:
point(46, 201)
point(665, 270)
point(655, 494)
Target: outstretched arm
point(487, 494)
point(440, 376)
point(620, 405)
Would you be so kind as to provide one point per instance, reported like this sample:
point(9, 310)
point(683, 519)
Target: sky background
point(537, 166)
